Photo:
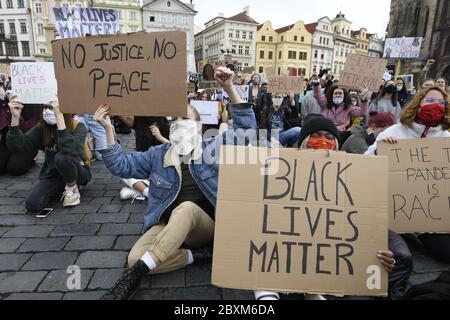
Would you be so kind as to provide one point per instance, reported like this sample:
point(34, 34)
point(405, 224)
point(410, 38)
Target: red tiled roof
point(311, 27)
point(242, 17)
point(284, 29)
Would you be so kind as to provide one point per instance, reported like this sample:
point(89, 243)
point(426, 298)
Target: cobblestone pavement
point(96, 236)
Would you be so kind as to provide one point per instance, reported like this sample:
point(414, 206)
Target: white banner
point(242, 90)
point(406, 48)
point(209, 111)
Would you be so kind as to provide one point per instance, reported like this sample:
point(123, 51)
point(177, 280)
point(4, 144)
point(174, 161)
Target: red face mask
point(321, 143)
point(431, 115)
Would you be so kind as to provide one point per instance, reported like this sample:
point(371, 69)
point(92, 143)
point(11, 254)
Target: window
point(9, 4)
point(295, 38)
point(247, 50)
point(270, 55)
point(38, 7)
point(238, 34)
point(20, 4)
point(230, 34)
point(12, 28)
point(250, 35)
point(1, 44)
point(40, 29)
point(302, 39)
point(152, 18)
point(292, 54)
point(42, 50)
point(261, 54)
point(328, 41)
point(320, 40)
point(245, 64)
point(425, 25)
point(263, 38)
point(282, 38)
point(303, 55)
point(301, 71)
point(279, 70)
point(12, 49)
point(131, 15)
point(66, 5)
point(261, 69)
point(244, 34)
point(270, 39)
point(322, 56)
point(279, 56)
point(2, 28)
point(23, 27)
point(240, 50)
point(316, 54)
point(25, 49)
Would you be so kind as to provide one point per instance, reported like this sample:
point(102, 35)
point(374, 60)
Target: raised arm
point(318, 95)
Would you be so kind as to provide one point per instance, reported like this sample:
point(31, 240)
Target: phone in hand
point(44, 213)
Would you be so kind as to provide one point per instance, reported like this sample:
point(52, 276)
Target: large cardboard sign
point(284, 84)
point(209, 111)
point(139, 74)
point(78, 22)
point(242, 91)
point(34, 82)
point(360, 71)
point(419, 185)
point(5, 69)
point(311, 227)
point(402, 48)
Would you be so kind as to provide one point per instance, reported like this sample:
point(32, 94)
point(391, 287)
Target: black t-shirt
point(144, 138)
point(189, 192)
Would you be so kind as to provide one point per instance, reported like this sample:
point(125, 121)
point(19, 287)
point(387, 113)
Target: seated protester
point(264, 99)
point(426, 116)
point(63, 141)
point(402, 93)
point(15, 163)
point(149, 132)
point(96, 130)
point(364, 136)
point(309, 103)
point(291, 101)
point(337, 105)
point(275, 117)
point(182, 192)
point(387, 100)
point(319, 133)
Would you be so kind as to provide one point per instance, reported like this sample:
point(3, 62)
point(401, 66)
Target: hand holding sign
point(102, 116)
point(15, 107)
point(55, 107)
point(387, 260)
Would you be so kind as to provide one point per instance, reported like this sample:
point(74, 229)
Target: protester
point(65, 165)
point(442, 83)
point(402, 93)
point(364, 136)
point(319, 133)
point(182, 192)
point(290, 100)
point(428, 83)
point(264, 100)
point(426, 116)
point(387, 100)
point(254, 89)
point(275, 117)
point(97, 132)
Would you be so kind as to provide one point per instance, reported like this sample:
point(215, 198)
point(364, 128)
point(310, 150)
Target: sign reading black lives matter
point(141, 74)
point(310, 226)
point(78, 22)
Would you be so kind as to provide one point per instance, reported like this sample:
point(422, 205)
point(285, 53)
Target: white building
point(163, 15)
point(236, 34)
point(344, 44)
point(322, 44)
point(376, 46)
point(16, 36)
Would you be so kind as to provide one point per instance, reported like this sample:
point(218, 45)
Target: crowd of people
point(181, 190)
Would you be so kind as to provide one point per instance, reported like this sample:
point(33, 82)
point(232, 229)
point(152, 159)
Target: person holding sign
point(387, 100)
point(182, 192)
point(426, 116)
point(65, 165)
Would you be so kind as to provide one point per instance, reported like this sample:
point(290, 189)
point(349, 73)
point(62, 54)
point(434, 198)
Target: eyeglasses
point(442, 102)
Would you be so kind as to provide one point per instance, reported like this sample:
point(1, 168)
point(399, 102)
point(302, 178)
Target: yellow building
point(287, 50)
point(362, 41)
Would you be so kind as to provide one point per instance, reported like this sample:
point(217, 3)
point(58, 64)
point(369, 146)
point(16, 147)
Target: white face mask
point(338, 101)
point(277, 101)
point(399, 88)
point(184, 136)
point(49, 117)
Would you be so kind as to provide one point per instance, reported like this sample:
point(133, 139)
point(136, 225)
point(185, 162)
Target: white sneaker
point(128, 193)
point(314, 297)
point(71, 196)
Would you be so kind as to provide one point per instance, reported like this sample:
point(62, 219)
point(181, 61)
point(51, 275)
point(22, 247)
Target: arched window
point(416, 20)
point(407, 20)
point(425, 23)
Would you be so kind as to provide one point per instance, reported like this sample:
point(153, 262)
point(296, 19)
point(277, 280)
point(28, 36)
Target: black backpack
point(438, 289)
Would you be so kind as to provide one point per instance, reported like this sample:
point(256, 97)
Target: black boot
point(203, 255)
point(128, 282)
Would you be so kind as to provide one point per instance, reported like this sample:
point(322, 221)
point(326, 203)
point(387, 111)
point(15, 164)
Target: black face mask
point(370, 139)
point(391, 89)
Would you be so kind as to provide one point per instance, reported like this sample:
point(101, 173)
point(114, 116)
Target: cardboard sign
point(78, 22)
point(5, 69)
point(34, 82)
point(209, 85)
point(269, 71)
point(242, 91)
point(419, 185)
point(140, 74)
point(282, 84)
point(209, 111)
point(311, 227)
point(360, 71)
point(403, 48)
point(248, 70)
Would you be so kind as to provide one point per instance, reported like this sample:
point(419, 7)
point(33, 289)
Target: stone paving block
point(75, 230)
point(20, 194)
point(17, 220)
point(90, 243)
point(57, 281)
point(114, 186)
point(102, 259)
point(105, 278)
point(85, 295)
point(93, 187)
point(35, 296)
point(424, 263)
point(174, 279)
point(112, 208)
point(106, 218)
point(29, 232)
point(92, 194)
point(51, 261)
point(12, 210)
point(198, 275)
point(126, 242)
point(121, 229)
point(193, 293)
point(60, 218)
point(26, 186)
point(155, 294)
point(3, 230)
point(101, 200)
point(85, 208)
point(3, 186)
point(43, 244)
point(7, 193)
point(12, 261)
point(134, 208)
point(10, 201)
point(20, 281)
point(111, 193)
point(136, 218)
point(10, 244)
point(229, 294)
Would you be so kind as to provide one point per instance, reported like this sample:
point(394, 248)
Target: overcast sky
point(372, 14)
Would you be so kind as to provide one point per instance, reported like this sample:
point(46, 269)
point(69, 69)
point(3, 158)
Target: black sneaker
point(203, 255)
point(124, 288)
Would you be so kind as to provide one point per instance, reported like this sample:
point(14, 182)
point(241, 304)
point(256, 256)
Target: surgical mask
point(431, 115)
point(49, 117)
point(321, 143)
point(338, 100)
point(391, 89)
point(399, 88)
point(277, 101)
point(183, 136)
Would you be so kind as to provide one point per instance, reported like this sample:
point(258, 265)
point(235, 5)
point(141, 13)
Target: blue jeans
point(290, 136)
point(97, 131)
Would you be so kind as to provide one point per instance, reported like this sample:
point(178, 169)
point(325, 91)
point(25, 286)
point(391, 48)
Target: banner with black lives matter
point(78, 22)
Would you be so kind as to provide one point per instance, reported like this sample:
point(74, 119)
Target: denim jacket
point(162, 170)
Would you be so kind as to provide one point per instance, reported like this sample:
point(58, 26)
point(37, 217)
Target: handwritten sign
point(78, 22)
point(139, 74)
point(242, 91)
point(209, 111)
point(34, 82)
point(403, 48)
point(282, 84)
point(419, 185)
point(360, 71)
point(312, 226)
